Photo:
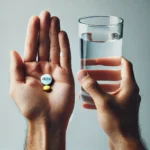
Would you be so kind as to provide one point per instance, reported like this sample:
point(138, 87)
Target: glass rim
point(92, 25)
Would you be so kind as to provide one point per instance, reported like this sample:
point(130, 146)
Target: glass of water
point(101, 51)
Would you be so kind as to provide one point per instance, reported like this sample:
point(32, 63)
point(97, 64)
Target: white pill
point(46, 79)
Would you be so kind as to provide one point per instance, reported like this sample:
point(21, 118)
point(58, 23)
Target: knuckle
point(89, 84)
point(54, 48)
point(30, 45)
point(130, 64)
point(44, 42)
point(139, 98)
point(135, 88)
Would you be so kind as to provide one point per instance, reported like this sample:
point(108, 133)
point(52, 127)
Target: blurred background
point(84, 132)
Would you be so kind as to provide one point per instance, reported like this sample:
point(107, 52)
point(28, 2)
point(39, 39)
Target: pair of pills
point(46, 80)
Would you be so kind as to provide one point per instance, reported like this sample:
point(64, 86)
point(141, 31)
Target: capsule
point(46, 88)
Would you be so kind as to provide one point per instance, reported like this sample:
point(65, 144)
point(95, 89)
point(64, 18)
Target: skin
point(111, 75)
point(118, 111)
point(47, 113)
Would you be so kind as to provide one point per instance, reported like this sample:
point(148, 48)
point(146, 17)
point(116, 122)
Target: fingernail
point(82, 75)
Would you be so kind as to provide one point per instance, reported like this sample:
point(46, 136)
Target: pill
point(46, 88)
point(46, 79)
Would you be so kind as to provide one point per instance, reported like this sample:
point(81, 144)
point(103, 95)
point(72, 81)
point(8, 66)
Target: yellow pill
point(46, 88)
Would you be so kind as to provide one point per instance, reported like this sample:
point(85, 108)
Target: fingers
point(54, 42)
point(31, 41)
point(44, 41)
point(106, 61)
point(127, 73)
point(16, 68)
point(128, 83)
point(92, 88)
point(109, 75)
point(88, 100)
point(109, 87)
point(65, 59)
point(88, 106)
point(105, 87)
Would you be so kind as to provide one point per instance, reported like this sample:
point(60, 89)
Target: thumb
point(16, 67)
point(91, 87)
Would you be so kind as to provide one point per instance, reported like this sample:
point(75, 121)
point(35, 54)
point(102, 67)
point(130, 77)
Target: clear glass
point(101, 51)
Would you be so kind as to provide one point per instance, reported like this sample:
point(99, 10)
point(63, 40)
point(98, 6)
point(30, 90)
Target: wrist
point(45, 136)
point(48, 124)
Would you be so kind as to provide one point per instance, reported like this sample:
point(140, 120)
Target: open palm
point(45, 40)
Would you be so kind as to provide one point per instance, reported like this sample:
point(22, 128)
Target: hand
point(45, 40)
point(117, 112)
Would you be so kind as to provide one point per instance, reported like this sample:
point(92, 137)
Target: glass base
point(84, 96)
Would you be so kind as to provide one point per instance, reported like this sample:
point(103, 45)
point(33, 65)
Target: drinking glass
point(101, 51)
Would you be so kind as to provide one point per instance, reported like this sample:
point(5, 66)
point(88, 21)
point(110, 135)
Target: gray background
point(84, 132)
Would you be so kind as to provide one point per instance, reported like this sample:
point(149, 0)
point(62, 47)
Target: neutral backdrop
point(84, 132)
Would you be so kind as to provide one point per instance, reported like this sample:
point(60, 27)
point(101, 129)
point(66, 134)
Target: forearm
point(126, 144)
point(44, 137)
